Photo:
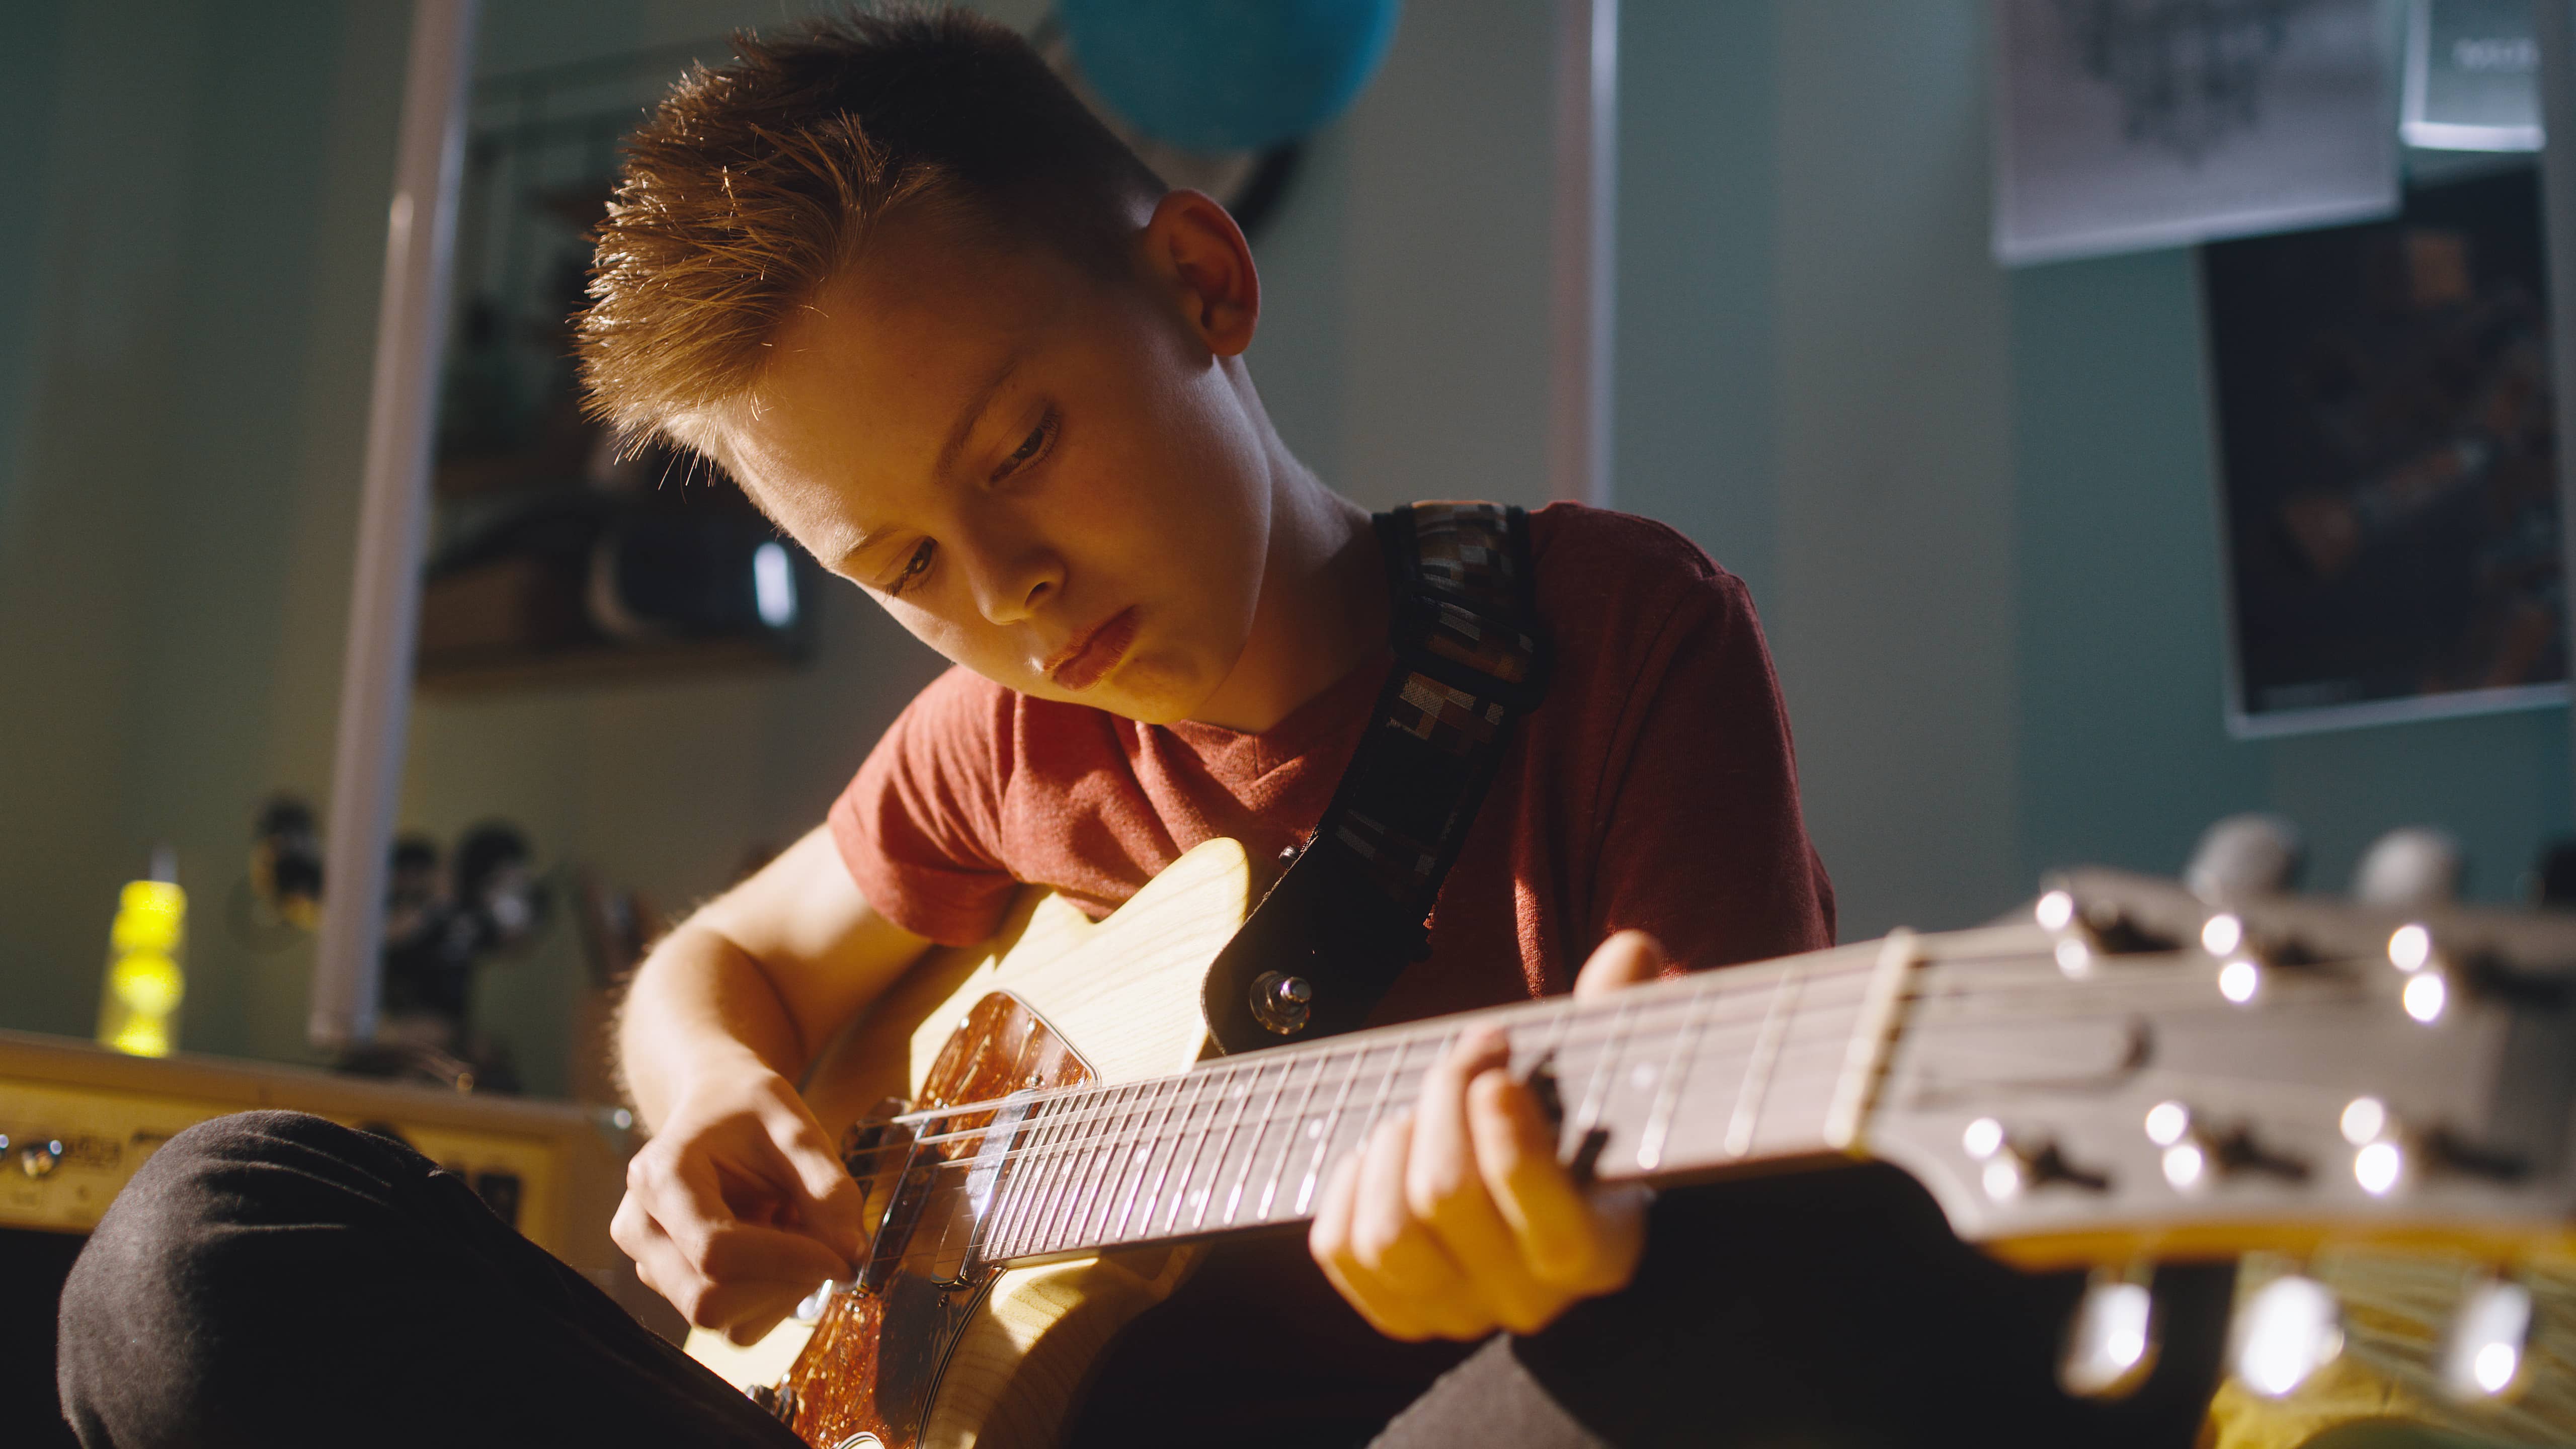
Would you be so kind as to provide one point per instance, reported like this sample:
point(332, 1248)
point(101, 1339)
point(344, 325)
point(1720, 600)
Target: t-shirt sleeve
point(1702, 843)
point(920, 826)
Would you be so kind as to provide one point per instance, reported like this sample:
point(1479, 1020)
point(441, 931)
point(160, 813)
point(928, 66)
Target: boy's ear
point(1193, 246)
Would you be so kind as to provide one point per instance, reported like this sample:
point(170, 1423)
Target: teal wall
point(188, 297)
point(1976, 506)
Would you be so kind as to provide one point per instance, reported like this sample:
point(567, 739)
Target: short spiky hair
point(756, 181)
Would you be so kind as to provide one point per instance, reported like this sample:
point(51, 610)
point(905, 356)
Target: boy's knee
point(181, 1271)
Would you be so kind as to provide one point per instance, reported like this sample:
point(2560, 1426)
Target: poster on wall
point(2122, 125)
point(2388, 463)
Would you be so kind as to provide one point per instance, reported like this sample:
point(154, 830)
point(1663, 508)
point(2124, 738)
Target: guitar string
point(1109, 1125)
point(1054, 1101)
point(1070, 1117)
point(2133, 991)
point(1189, 1121)
point(1191, 1132)
point(1567, 1044)
point(1816, 1092)
point(1748, 980)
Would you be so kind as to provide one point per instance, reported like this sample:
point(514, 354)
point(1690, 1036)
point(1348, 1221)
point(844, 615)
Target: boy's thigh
point(1830, 1310)
point(276, 1279)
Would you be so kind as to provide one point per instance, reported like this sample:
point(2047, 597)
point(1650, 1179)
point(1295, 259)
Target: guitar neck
point(1673, 1079)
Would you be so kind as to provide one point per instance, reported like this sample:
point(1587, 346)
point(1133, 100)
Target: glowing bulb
point(2483, 1353)
point(2409, 947)
point(2074, 957)
point(2495, 1366)
point(147, 982)
point(2185, 1166)
point(2364, 1118)
point(773, 585)
point(2425, 995)
point(1983, 1139)
point(2056, 910)
point(2109, 1339)
point(2003, 1179)
point(2221, 934)
point(2238, 979)
point(2288, 1330)
point(2377, 1168)
point(2167, 1122)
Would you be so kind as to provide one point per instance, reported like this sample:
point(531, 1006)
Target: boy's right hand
point(737, 1207)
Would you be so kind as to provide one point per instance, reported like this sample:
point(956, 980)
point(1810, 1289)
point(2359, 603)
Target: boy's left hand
point(1457, 1220)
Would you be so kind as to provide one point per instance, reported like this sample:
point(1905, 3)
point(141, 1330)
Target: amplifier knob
point(39, 1159)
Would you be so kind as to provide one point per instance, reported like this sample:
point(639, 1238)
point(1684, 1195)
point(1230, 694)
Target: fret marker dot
point(1314, 1129)
point(1642, 1076)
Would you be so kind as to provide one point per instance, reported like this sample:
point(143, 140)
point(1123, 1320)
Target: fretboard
point(1675, 1078)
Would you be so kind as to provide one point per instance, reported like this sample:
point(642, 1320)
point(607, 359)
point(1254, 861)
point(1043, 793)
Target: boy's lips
point(1088, 659)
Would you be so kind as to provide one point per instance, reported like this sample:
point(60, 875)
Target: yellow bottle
point(138, 1002)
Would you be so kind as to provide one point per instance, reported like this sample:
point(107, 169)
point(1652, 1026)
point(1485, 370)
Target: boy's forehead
point(888, 362)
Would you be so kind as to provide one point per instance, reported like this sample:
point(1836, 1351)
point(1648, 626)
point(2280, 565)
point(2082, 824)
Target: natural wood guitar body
point(1003, 1366)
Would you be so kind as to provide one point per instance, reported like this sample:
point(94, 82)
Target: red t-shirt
point(1654, 787)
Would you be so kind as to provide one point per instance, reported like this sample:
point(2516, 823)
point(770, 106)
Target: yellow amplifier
point(77, 1120)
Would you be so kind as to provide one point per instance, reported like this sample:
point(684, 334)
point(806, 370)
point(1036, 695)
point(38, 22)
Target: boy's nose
point(1010, 590)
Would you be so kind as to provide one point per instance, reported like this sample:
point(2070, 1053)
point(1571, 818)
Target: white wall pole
point(1584, 247)
point(2556, 24)
point(393, 520)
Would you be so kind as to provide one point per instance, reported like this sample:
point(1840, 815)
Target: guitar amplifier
point(76, 1121)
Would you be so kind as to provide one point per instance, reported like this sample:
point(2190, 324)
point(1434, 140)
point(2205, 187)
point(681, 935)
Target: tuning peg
point(2288, 1330)
point(2111, 1339)
point(2484, 1353)
point(2244, 855)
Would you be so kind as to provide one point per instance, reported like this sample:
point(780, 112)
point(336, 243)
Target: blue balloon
point(1228, 75)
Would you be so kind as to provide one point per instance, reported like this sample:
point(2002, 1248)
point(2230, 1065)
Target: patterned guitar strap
point(1352, 910)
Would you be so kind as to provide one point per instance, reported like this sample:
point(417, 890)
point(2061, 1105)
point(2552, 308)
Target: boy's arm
point(737, 1207)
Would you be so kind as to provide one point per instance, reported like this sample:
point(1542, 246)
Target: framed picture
point(2122, 125)
point(2388, 463)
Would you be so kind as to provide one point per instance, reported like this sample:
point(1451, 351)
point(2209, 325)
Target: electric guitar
point(2133, 1075)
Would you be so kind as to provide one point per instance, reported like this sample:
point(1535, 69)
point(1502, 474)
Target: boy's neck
point(1323, 608)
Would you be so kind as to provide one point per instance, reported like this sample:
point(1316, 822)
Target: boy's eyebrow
point(974, 410)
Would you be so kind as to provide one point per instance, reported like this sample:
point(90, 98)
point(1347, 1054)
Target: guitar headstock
point(2136, 1072)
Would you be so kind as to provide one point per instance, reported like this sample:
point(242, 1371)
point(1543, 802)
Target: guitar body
point(1055, 999)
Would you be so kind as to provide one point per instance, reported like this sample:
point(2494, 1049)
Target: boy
point(970, 353)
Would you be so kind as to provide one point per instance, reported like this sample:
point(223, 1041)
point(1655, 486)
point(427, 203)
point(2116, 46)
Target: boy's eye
point(1030, 447)
point(913, 568)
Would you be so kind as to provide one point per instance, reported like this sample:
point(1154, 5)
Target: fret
point(1595, 1094)
point(1142, 1208)
point(1138, 1164)
point(1129, 1156)
point(1325, 1137)
point(1668, 1090)
point(1098, 1145)
point(1026, 1177)
point(1063, 1166)
point(1252, 1152)
point(1763, 1061)
point(1181, 1189)
point(1287, 1142)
